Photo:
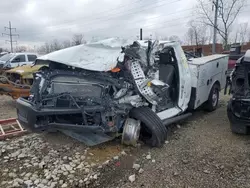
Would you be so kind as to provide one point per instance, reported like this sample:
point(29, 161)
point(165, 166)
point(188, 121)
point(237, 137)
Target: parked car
point(12, 60)
point(3, 53)
point(95, 92)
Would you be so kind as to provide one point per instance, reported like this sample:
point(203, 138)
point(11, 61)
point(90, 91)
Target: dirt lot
point(201, 152)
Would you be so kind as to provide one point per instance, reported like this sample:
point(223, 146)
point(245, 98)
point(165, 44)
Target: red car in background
point(235, 53)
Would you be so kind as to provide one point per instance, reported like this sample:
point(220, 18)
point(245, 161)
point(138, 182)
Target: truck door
point(184, 78)
point(18, 61)
point(23, 60)
point(223, 66)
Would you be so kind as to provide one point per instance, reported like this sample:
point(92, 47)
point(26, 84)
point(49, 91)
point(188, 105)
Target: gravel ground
point(7, 107)
point(201, 152)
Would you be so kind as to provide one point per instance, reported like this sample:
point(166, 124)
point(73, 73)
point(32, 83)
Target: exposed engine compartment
point(97, 96)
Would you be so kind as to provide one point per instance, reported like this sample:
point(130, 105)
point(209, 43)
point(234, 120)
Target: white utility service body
point(205, 72)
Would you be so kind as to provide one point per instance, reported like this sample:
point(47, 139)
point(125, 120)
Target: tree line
point(55, 44)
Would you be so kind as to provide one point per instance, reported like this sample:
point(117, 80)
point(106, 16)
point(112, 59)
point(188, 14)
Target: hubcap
point(215, 97)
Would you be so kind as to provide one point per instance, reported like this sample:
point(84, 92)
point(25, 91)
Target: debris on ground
point(204, 153)
point(141, 171)
point(136, 166)
point(132, 178)
point(148, 157)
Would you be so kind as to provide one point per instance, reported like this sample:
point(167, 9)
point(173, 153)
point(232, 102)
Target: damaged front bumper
point(36, 120)
point(238, 111)
point(31, 118)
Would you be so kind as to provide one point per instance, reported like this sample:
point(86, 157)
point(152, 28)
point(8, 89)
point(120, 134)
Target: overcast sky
point(38, 21)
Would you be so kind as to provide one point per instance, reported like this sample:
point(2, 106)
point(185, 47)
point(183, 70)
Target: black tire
point(153, 132)
point(237, 125)
point(212, 103)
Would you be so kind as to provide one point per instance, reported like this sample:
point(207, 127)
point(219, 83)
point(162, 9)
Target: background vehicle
point(3, 53)
point(12, 60)
point(238, 109)
point(234, 54)
point(89, 95)
point(17, 82)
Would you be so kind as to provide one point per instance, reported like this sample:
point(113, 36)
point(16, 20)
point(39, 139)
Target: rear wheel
point(213, 98)
point(153, 132)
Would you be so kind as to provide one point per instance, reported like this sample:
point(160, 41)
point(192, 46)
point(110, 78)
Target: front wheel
point(153, 132)
point(213, 98)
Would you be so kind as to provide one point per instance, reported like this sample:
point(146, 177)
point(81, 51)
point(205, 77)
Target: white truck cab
point(12, 60)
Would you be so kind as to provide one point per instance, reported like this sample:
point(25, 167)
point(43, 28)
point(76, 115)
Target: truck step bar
point(169, 121)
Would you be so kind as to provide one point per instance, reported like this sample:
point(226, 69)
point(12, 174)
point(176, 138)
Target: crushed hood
point(98, 56)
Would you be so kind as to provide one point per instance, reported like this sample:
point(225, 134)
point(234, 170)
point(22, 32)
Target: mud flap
point(89, 138)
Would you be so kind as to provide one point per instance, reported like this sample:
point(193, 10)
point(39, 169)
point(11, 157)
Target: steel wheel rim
point(215, 97)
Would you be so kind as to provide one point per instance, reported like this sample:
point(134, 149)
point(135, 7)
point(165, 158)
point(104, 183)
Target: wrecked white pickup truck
point(95, 92)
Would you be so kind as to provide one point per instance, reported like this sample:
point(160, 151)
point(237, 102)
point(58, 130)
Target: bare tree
point(66, 44)
point(197, 33)
point(47, 47)
point(243, 32)
point(174, 38)
point(50, 46)
point(21, 49)
point(78, 39)
point(190, 36)
point(236, 36)
point(55, 45)
point(228, 12)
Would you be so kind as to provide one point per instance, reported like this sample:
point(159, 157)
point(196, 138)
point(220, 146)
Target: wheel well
point(217, 83)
